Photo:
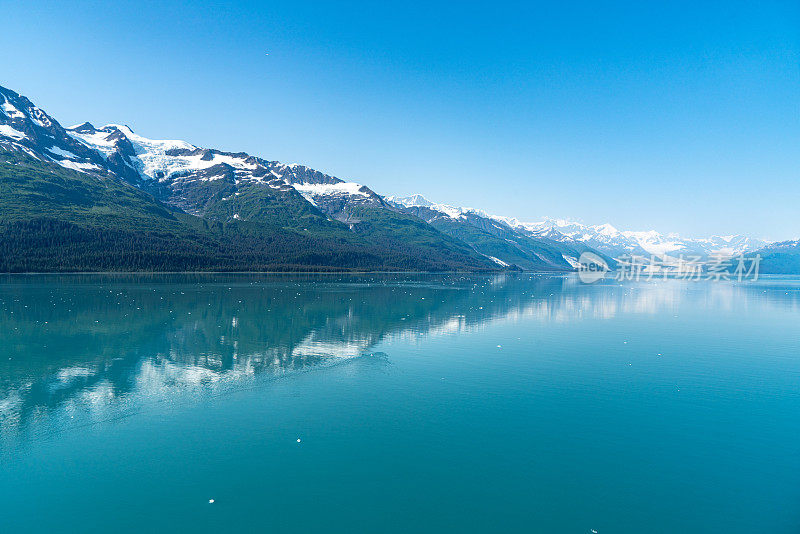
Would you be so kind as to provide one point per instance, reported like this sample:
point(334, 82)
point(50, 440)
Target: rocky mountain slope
point(248, 212)
point(781, 258)
point(604, 238)
point(316, 220)
point(505, 244)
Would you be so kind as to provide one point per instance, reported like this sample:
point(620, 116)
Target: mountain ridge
point(604, 237)
point(248, 193)
point(67, 199)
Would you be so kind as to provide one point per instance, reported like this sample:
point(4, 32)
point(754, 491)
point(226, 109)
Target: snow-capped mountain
point(495, 238)
point(419, 201)
point(175, 170)
point(604, 237)
point(235, 186)
point(111, 195)
point(781, 258)
point(612, 241)
point(26, 128)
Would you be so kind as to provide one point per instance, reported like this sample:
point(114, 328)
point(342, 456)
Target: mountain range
point(604, 238)
point(88, 198)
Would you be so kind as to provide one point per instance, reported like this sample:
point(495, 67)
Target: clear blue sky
point(676, 117)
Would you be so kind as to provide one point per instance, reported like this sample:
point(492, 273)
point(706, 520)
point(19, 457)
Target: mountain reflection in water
point(94, 347)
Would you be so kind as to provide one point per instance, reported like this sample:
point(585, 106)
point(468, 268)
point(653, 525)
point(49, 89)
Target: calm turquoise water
point(526, 403)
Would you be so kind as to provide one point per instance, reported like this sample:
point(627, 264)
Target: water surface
point(424, 403)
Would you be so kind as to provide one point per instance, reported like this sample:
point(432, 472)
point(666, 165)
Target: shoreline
point(32, 273)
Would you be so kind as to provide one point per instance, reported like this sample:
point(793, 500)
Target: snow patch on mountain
point(39, 117)
point(571, 260)
point(653, 242)
point(418, 201)
point(63, 153)
point(413, 200)
point(498, 261)
point(8, 131)
point(96, 140)
point(341, 188)
point(11, 111)
point(77, 165)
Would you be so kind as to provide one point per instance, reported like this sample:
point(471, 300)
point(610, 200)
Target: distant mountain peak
point(86, 127)
point(603, 237)
point(412, 201)
point(606, 229)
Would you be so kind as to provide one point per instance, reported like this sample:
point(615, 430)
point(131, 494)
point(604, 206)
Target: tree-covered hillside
point(56, 219)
